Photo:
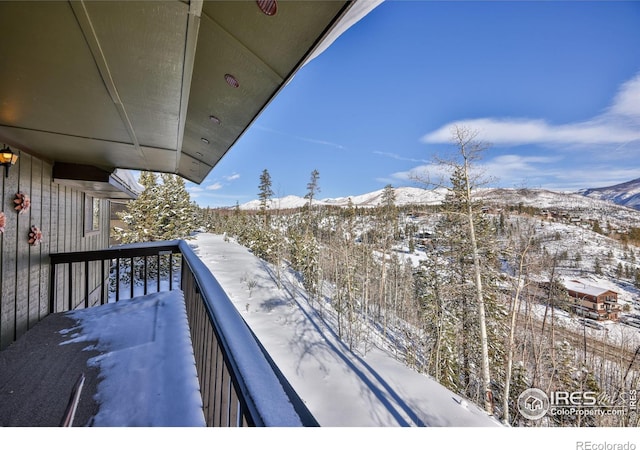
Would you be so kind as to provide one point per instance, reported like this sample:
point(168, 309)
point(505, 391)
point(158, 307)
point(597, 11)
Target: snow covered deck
point(143, 355)
point(136, 356)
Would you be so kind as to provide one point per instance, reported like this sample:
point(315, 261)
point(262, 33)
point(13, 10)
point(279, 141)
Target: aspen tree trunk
point(469, 149)
point(484, 344)
point(514, 313)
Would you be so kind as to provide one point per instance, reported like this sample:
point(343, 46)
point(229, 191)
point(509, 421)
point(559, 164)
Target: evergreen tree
point(138, 214)
point(163, 211)
point(390, 211)
point(177, 217)
point(312, 187)
point(265, 194)
point(463, 183)
point(467, 242)
point(596, 227)
point(619, 270)
point(304, 250)
point(441, 320)
point(597, 267)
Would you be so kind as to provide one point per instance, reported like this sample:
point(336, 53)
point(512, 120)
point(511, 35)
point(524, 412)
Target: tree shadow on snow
point(382, 391)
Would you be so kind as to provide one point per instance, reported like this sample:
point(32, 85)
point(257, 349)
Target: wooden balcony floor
point(37, 376)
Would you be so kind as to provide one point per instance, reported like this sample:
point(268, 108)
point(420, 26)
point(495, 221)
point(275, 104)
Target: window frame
point(92, 212)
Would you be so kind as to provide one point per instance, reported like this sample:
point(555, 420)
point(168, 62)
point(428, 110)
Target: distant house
point(424, 238)
point(593, 301)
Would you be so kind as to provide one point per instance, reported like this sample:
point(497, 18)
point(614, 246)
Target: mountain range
point(404, 196)
point(624, 194)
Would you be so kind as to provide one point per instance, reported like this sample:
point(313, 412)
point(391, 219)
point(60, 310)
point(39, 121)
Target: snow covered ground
point(373, 394)
point(340, 387)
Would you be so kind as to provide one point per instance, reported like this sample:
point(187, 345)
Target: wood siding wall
point(24, 269)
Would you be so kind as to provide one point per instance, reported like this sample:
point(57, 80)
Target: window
point(91, 215)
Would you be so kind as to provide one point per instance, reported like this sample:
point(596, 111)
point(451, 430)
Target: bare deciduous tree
point(468, 150)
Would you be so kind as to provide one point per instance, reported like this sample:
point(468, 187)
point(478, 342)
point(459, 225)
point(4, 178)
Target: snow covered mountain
point(540, 198)
point(587, 207)
point(404, 196)
point(626, 194)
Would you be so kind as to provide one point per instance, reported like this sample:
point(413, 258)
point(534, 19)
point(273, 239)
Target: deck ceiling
point(134, 84)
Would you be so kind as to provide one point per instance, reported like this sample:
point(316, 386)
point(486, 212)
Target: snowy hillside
point(626, 194)
point(340, 387)
point(573, 204)
point(539, 198)
point(587, 208)
point(614, 198)
point(404, 196)
point(570, 237)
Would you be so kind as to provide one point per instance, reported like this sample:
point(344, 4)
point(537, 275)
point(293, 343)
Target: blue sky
point(552, 87)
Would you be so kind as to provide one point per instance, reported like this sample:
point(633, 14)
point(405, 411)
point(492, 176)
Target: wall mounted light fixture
point(7, 159)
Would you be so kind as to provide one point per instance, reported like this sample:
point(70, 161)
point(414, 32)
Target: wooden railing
point(239, 383)
point(90, 274)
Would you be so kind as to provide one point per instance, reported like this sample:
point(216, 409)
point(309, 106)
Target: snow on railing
point(254, 380)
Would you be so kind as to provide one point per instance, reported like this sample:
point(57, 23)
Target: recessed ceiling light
point(231, 80)
point(199, 154)
point(205, 140)
point(269, 7)
point(214, 119)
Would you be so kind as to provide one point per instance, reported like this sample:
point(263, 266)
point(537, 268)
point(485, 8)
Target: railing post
point(145, 275)
point(117, 279)
point(171, 271)
point(158, 275)
point(102, 278)
point(86, 284)
point(52, 287)
point(131, 275)
point(70, 278)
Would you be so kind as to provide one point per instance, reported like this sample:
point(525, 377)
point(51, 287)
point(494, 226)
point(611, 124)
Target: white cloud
point(523, 132)
point(232, 177)
point(505, 165)
point(516, 170)
point(619, 124)
point(424, 174)
point(398, 157)
point(614, 136)
point(193, 189)
point(627, 100)
point(304, 139)
point(509, 170)
point(214, 186)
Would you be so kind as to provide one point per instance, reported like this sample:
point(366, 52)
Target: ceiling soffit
point(132, 84)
